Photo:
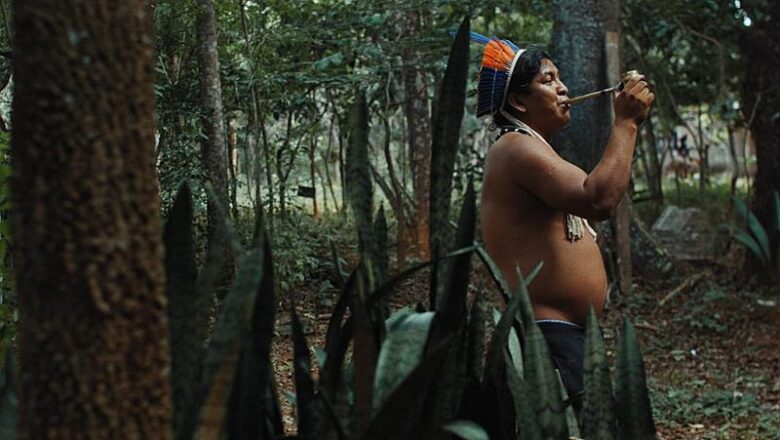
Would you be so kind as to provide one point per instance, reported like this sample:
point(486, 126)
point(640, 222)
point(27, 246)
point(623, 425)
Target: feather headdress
point(498, 62)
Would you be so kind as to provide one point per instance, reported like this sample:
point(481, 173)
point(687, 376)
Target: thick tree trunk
point(418, 123)
point(578, 51)
point(585, 47)
point(761, 101)
point(213, 146)
point(92, 332)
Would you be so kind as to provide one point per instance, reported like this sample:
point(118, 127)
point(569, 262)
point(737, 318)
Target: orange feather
point(497, 55)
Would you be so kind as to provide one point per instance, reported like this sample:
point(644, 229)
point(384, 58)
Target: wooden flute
point(617, 88)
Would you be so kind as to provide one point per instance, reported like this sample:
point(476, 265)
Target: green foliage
point(634, 412)
point(598, 408)
point(681, 405)
point(467, 430)
point(761, 241)
point(401, 351)
point(446, 139)
point(188, 306)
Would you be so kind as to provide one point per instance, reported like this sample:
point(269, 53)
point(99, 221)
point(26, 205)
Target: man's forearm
point(609, 179)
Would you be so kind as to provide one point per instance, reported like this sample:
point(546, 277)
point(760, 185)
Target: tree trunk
point(88, 240)
point(585, 46)
point(312, 175)
point(761, 101)
point(654, 164)
point(233, 166)
point(578, 51)
point(213, 145)
point(418, 123)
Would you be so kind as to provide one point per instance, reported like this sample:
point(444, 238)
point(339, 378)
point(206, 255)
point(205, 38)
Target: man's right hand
point(634, 101)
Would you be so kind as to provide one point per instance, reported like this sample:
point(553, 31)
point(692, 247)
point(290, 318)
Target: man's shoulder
point(520, 146)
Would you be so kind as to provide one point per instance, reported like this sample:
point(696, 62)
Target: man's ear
point(516, 102)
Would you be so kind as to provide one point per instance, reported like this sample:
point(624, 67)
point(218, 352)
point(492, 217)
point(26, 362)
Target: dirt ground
point(711, 349)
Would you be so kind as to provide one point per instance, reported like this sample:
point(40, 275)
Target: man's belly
point(572, 278)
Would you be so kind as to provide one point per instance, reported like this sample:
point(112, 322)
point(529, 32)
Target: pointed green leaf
point(400, 417)
point(526, 308)
point(388, 286)
point(467, 430)
point(225, 346)
point(515, 349)
point(543, 385)
point(540, 375)
point(451, 299)
point(188, 309)
point(749, 242)
point(524, 409)
point(337, 338)
point(307, 410)
point(498, 343)
point(358, 178)
point(401, 351)
point(476, 337)
point(501, 423)
point(598, 408)
point(340, 276)
point(254, 411)
point(495, 273)
point(445, 142)
point(365, 353)
point(382, 268)
point(755, 228)
point(634, 412)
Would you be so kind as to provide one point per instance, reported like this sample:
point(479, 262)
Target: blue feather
point(490, 90)
point(479, 38)
point(512, 45)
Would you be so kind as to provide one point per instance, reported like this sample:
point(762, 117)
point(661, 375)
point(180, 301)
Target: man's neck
point(546, 134)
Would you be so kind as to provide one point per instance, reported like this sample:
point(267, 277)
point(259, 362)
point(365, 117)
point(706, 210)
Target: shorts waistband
point(559, 321)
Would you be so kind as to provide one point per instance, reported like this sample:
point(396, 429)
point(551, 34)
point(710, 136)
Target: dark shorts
point(567, 345)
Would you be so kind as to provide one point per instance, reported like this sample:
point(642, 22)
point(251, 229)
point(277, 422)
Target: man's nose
point(562, 89)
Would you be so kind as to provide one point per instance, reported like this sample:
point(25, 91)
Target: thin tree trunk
point(656, 172)
point(233, 166)
point(622, 220)
point(419, 137)
point(312, 149)
point(213, 145)
point(268, 174)
point(326, 162)
point(92, 340)
point(734, 163)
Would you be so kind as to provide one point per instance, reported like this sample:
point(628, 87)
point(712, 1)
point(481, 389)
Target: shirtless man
point(529, 190)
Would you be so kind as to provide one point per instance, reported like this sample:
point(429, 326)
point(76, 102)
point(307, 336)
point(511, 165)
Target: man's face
point(544, 101)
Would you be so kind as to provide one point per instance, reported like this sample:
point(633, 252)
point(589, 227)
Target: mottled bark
point(585, 49)
point(761, 101)
point(213, 145)
point(87, 234)
point(418, 123)
point(578, 51)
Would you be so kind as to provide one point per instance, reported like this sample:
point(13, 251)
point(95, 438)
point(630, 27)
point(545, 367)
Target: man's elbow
point(604, 209)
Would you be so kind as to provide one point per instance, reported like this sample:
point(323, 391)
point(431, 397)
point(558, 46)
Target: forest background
point(255, 110)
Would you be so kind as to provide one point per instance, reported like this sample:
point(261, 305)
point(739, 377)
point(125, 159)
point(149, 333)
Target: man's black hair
point(528, 65)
